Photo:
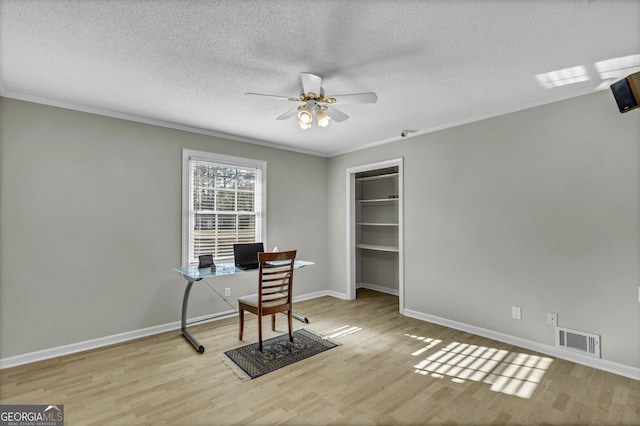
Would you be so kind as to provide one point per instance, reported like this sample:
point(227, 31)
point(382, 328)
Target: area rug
point(248, 363)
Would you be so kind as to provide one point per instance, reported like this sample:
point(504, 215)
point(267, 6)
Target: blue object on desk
point(193, 274)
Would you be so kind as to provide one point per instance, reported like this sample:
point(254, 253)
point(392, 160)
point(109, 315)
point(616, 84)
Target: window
point(223, 203)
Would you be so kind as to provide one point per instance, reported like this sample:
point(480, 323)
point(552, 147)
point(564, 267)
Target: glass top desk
point(193, 274)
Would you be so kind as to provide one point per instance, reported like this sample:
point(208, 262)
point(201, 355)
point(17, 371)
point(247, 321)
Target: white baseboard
point(310, 296)
point(44, 354)
point(600, 364)
point(72, 348)
point(85, 346)
point(337, 295)
point(381, 289)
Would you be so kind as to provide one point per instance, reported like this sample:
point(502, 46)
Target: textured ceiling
point(433, 64)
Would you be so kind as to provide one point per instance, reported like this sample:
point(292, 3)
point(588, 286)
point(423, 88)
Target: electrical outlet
point(516, 312)
point(227, 291)
point(552, 319)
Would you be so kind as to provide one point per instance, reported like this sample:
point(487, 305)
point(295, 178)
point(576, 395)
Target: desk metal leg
point(183, 325)
point(300, 317)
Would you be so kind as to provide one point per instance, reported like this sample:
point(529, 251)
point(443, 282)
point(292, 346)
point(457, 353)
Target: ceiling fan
point(315, 105)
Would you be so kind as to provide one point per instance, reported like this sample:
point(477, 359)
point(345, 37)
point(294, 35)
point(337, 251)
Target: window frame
point(225, 161)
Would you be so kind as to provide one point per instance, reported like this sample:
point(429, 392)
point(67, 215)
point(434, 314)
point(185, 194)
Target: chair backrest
point(276, 278)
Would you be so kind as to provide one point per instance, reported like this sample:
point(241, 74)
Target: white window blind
point(224, 197)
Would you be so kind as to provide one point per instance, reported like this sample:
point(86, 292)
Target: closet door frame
point(351, 225)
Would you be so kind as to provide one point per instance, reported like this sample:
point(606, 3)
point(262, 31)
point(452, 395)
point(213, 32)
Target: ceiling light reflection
point(563, 77)
point(608, 71)
point(616, 68)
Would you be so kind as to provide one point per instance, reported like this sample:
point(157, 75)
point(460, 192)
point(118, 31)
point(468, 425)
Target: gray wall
point(538, 209)
point(90, 224)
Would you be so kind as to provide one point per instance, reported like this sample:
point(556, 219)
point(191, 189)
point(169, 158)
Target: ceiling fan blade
point(284, 98)
point(311, 83)
point(335, 114)
point(356, 98)
point(293, 111)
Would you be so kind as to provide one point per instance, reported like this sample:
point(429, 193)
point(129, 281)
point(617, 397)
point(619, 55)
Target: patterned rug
point(248, 363)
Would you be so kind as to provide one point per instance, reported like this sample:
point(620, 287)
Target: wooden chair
point(275, 280)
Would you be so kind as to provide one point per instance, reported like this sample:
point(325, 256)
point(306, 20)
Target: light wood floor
point(389, 369)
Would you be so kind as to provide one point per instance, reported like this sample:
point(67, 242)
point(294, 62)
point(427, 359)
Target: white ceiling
point(433, 64)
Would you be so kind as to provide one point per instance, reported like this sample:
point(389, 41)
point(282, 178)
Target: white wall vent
point(578, 341)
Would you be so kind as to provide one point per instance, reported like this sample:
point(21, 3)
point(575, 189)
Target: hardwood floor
point(389, 369)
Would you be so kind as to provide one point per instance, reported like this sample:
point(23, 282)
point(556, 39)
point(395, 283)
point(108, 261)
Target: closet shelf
point(376, 224)
point(377, 200)
point(377, 247)
point(377, 177)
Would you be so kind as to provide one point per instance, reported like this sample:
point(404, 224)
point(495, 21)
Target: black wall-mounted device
point(627, 92)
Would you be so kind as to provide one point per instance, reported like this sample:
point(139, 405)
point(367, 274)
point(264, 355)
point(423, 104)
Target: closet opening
point(375, 229)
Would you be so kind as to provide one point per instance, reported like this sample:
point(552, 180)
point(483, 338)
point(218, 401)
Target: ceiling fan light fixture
point(316, 106)
point(304, 126)
point(323, 119)
point(305, 116)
